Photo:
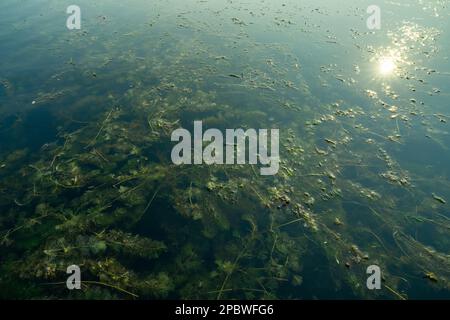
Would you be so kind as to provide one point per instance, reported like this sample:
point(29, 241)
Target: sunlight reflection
point(386, 66)
point(389, 62)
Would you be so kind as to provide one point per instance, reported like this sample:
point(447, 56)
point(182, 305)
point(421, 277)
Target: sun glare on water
point(386, 66)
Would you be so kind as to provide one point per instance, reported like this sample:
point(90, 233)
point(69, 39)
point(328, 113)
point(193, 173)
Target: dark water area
point(87, 178)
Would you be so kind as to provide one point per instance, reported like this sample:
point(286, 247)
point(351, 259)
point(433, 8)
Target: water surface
point(86, 176)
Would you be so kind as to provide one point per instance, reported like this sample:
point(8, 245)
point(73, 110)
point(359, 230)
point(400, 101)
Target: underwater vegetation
point(86, 176)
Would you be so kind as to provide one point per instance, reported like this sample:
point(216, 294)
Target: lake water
point(86, 175)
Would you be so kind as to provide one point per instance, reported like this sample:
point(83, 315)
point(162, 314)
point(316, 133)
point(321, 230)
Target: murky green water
point(86, 177)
